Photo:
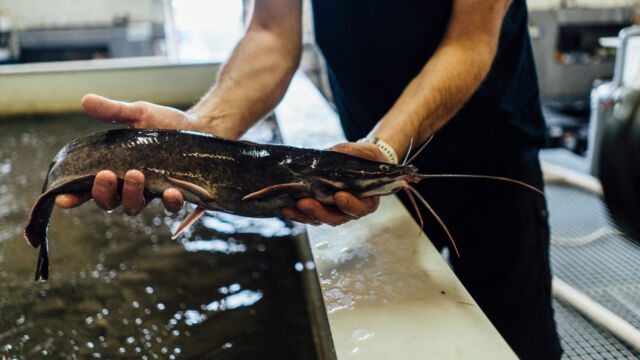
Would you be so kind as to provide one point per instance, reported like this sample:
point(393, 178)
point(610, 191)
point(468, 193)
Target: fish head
point(388, 179)
point(360, 177)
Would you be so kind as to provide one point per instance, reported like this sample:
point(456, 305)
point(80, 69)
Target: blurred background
point(53, 52)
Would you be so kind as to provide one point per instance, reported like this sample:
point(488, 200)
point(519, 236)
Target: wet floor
point(120, 287)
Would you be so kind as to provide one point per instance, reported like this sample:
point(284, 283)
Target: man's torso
point(374, 49)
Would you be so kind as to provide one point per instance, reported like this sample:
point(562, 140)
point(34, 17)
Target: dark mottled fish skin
point(214, 173)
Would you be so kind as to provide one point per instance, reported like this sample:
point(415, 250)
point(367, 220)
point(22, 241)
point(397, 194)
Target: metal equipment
point(122, 39)
point(605, 96)
point(67, 30)
point(568, 54)
point(620, 164)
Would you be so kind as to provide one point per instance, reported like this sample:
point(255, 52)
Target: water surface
point(120, 287)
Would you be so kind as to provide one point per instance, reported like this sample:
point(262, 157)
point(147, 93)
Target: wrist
point(396, 133)
point(213, 123)
point(386, 149)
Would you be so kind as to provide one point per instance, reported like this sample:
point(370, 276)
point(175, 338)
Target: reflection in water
point(227, 247)
point(120, 287)
point(230, 224)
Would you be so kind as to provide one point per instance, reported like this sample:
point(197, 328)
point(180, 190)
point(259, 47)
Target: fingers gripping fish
point(236, 177)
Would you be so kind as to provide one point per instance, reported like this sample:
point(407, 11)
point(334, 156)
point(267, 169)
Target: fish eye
point(384, 168)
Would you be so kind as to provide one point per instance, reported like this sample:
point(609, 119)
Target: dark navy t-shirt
point(375, 48)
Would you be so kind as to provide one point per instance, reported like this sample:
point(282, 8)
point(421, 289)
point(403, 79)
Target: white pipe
point(556, 173)
point(596, 313)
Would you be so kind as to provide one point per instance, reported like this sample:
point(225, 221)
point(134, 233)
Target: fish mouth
point(410, 175)
point(411, 178)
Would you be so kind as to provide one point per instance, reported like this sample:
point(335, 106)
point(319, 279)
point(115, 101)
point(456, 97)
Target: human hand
point(136, 115)
point(139, 114)
point(105, 193)
point(348, 207)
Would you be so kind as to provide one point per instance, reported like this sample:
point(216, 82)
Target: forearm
point(445, 83)
point(432, 98)
point(249, 85)
point(257, 74)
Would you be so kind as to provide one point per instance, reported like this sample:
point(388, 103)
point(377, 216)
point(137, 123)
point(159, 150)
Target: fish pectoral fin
point(188, 221)
point(277, 190)
point(197, 190)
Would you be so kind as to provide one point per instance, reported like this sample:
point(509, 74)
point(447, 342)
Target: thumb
point(111, 111)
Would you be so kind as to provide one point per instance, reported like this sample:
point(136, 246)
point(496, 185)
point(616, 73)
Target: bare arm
point(449, 78)
point(257, 74)
point(432, 98)
point(250, 84)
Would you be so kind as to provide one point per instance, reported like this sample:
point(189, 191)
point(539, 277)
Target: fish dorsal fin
point(188, 221)
point(195, 189)
point(277, 190)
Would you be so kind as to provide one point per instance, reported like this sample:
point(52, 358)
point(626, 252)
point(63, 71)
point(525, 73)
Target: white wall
point(65, 13)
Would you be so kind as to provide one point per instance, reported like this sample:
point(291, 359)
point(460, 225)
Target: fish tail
point(36, 232)
point(42, 267)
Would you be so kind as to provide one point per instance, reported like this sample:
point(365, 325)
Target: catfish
point(237, 177)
